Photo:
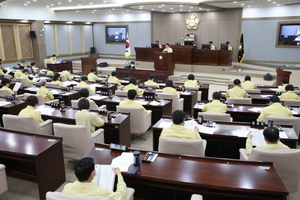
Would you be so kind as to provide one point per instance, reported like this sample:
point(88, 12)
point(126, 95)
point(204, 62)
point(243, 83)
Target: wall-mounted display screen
point(116, 34)
point(288, 34)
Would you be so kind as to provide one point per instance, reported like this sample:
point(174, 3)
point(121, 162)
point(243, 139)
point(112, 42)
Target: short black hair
point(289, 88)
point(21, 67)
point(25, 70)
point(285, 80)
point(167, 44)
point(113, 73)
point(236, 82)
point(247, 78)
point(132, 80)
point(32, 101)
point(217, 95)
point(84, 78)
point(5, 81)
point(51, 68)
point(178, 116)
point(32, 63)
point(271, 134)
point(156, 41)
point(151, 76)
point(83, 104)
point(131, 94)
point(53, 55)
point(84, 168)
point(274, 99)
point(84, 92)
point(188, 35)
point(169, 83)
point(191, 77)
point(210, 42)
point(69, 69)
point(56, 76)
point(23, 61)
point(227, 42)
point(93, 70)
point(132, 62)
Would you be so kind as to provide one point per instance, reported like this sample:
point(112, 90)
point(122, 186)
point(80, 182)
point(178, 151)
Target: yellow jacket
point(276, 109)
point(7, 88)
point(290, 95)
point(149, 82)
point(30, 111)
point(84, 84)
point(50, 73)
point(93, 78)
point(59, 83)
point(191, 83)
point(18, 74)
point(52, 60)
point(180, 131)
point(26, 77)
point(277, 146)
point(89, 120)
point(282, 88)
point(130, 86)
point(45, 93)
point(113, 79)
point(169, 50)
point(236, 92)
point(170, 90)
point(132, 103)
point(215, 107)
point(248, 85)
point(212, 47)
point(67, 74)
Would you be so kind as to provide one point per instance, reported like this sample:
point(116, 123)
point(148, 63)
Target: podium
point(164, 62)
point(282, 74)
point(87, 64)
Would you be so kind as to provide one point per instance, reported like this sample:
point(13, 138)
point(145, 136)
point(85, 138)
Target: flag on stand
point(127, 48)
point(241, 49)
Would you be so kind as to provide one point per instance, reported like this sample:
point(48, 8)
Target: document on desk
point(283, 135)
point(33, 89)
point(17, 86)
point(273, 89)
point(4, 103)
point(45, 111)
point(190, 124)
point(54, 91)
point(294, 112)
point(255, 109)
point(165, 124)
point(258, 137)
point(124, 81)
point(70, 83)
point(105, 176)
point(186, 93)
point(97, 97)
point(241, 133)
point(124, 161)
point(206, 130)
point(265, 96)
point(200, 105)
point(161, 84)
point(143, 102)
point(159, 90)
point(154, 103)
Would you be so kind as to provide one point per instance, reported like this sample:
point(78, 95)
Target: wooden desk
point(177, 177)
point(59, 67)
point(116, 130)
point(106, 88)
point(224, 142)
point(14, 107)
point(205, 57)
point(35, 157)
point(142, 75)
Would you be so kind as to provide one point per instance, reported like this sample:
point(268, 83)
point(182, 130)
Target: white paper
point(273, 89)
point(207, 130)
point(283, 134)
point(265, 96)
point(165, 124)
point(70, 83)
point(185, 92)
point(105, 176)
point(124, 81)
point(128, 156)
point(34, 89)
point(54, 91)
point(161, 84)
point(241, 133)
point(255, 109)
point(201, 105)
point(45, 111)
point(143, 102)
point(154, 103)
point(123, 161)
point(190, 124)
point(258, 137)
point(294, 112)
point(159, 90)
point(97, 97)
point(4, 103)
point(17, 86)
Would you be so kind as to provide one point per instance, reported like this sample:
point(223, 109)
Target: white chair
point(63, 196)
point(285, 161)
point(53, 85)
point(121, 93)
point(199, 93)
point(63, 78)
point(223, 117)
point(77, 140)
point(288, 102)
point(9, 77)
point(196, 197)
point(185, 146)
point(151, 86)
point(40, 98)
point(93, 105)
point(27, 124)
point(177, 104)
point(139, 120)
point(4, 93)
point(3, 181)
point(23, 81)
point(295, 121)
point(239, 100)
point(78, 88)
point(252, 91)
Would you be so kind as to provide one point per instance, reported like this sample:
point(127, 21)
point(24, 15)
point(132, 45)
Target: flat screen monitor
point(116, 34)
point(154, 45)
point(288, 34)
point(188, 42)
point(206, 46)
point(224, 47)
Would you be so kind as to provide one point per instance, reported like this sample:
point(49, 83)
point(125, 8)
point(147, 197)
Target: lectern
point(87, 64)
point(165, 62)
point(282, 74)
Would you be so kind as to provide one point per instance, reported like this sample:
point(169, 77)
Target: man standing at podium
point(168, 49)
point(131, 66)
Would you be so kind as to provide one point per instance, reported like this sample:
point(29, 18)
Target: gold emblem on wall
point(192, 22)
point(160, 57)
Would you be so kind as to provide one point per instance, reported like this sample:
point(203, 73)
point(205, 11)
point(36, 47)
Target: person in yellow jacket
point(247, 84)
point(167, 48)
point(274, 109)
point(178, 130)
point(25, 76)
point(6, 82)
point(132, 86)
point(151, 81)
point(289, 94)
point(131, 94)
point(212, 47)
point(67, 73)
point(56, 79)
point(93, 77)
point(44, 92)
point(169, 89)
point(53, 60)
point(215, 106)
point(284, 82)
point(236, 91)
point(19, 72)
point(113, 78)
point(85, 173)
point(50, 72)
point(31, 103)
point(271, 136)
point(191, 81)
point(83, 83)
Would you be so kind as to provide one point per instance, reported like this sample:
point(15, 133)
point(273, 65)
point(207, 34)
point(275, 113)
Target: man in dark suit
point(131, 66)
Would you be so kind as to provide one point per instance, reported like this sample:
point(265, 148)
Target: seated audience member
point(191, 82)
point(56, 79)
point(131, 94)
point(52, 60)
point(45, 92)
point(33, 68)
point(274, 109)
point(23, 64)
point(284, 82)
point(131, 66)
point(19, 72)
point(188, 38)
point(25, 76)
point(67, 73)
point(84, 93)
point(132, 86)
point(85, 173)
point(113, 78)
point(236, 91)
point(151, 81)
point(50, 72)
point(31, 103)
point(289, 94)
point(83, 83)
point(1, 70)
point(5, 82)
point(157, 42)
point(247, 84)
point(229, 47)
point(93, 77)
point(271, 136)
point(169, 89)
point(215, 106)
point(87, 119)
point(178, 130)
point(212, 47)
point(167, 48)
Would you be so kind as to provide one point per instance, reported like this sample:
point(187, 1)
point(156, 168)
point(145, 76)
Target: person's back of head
point(178, 116)
point(285, 80)
point(69, 69)
point(274, 99)
point(191, 77)
point(84, 168)
point(236, 82)
point(84, 78)
point(151, 77)
point(83, 104)
point(216, 95)
point(32, 101)
point(271, 134)
point(132, 80)
point(5, 81)
point(131, 94)
point(93, 70)
point(169, 83)
point(188, 35)
point(156, 41)
point(289, 88)
point(53, 55)
point(247, 78)
point(32, 63)
point(210, 42)
point(113, 73)
point(84, 92)
point(21, 67)
point(42, 82)
point(132, 62)
point(25, 71)
point(227, 42)
point(51, 68)
point(56, 76)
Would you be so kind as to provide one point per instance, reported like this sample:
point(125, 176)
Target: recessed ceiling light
point(109, 11)
point(242, 4)
point(59, 2)
point(91, 2)
point(122, 12)
point(104, 1)
point(52, 4)
point(152, 9)
point(69, 1)
point(200, 8)
point(269, 0)
point(173, 11)
point(274, 2)
point(180, 9)
point(79, 4)
point(234, 2)
point(190, 11)
point(47, 6)
point(28, 1)
point(181, 6)
point(171, 8)
point(162, 5)
point(34, 0)
point(95, 10)
point(25, 4)
point(163, 10)
point(207, 10)
point(140, 11)
point(248, 6)
point(159, 6)
point(191, 7)
point(278, 4)
point(113, 9)
point(77, 10)
point(127, 10)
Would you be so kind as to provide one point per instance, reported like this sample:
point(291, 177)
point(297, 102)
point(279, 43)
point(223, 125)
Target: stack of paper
point(165, 124)
point(105, 176)
point(190, 124)
point(124, 161)
point(4, 103)
point(154, 103)
point(207, 130)
point(255, 109)
point(258, 137)
point(97, 97)
point(45, 111)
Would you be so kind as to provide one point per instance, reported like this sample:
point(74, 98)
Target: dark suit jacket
point(128, 67)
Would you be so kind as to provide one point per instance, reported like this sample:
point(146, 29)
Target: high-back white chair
point(177, 104)
point(40, 98)
point(252, 91)
point(8, 76)
point(77, 140)
point(239, 100)
point(196, 197)
point(199, 93)
point(185, 146)
point(295, 121)
point(288, 102)
point(78, 88)
point(3, 180)
point(4, 93)
point(53, 85)
point(23, 81)
point(121, 93)
point(223, 117)
point(93, 105)
point(27, 124)
point(152, 86)
point(285, 161)
point(63, 78)
point(140, 121)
